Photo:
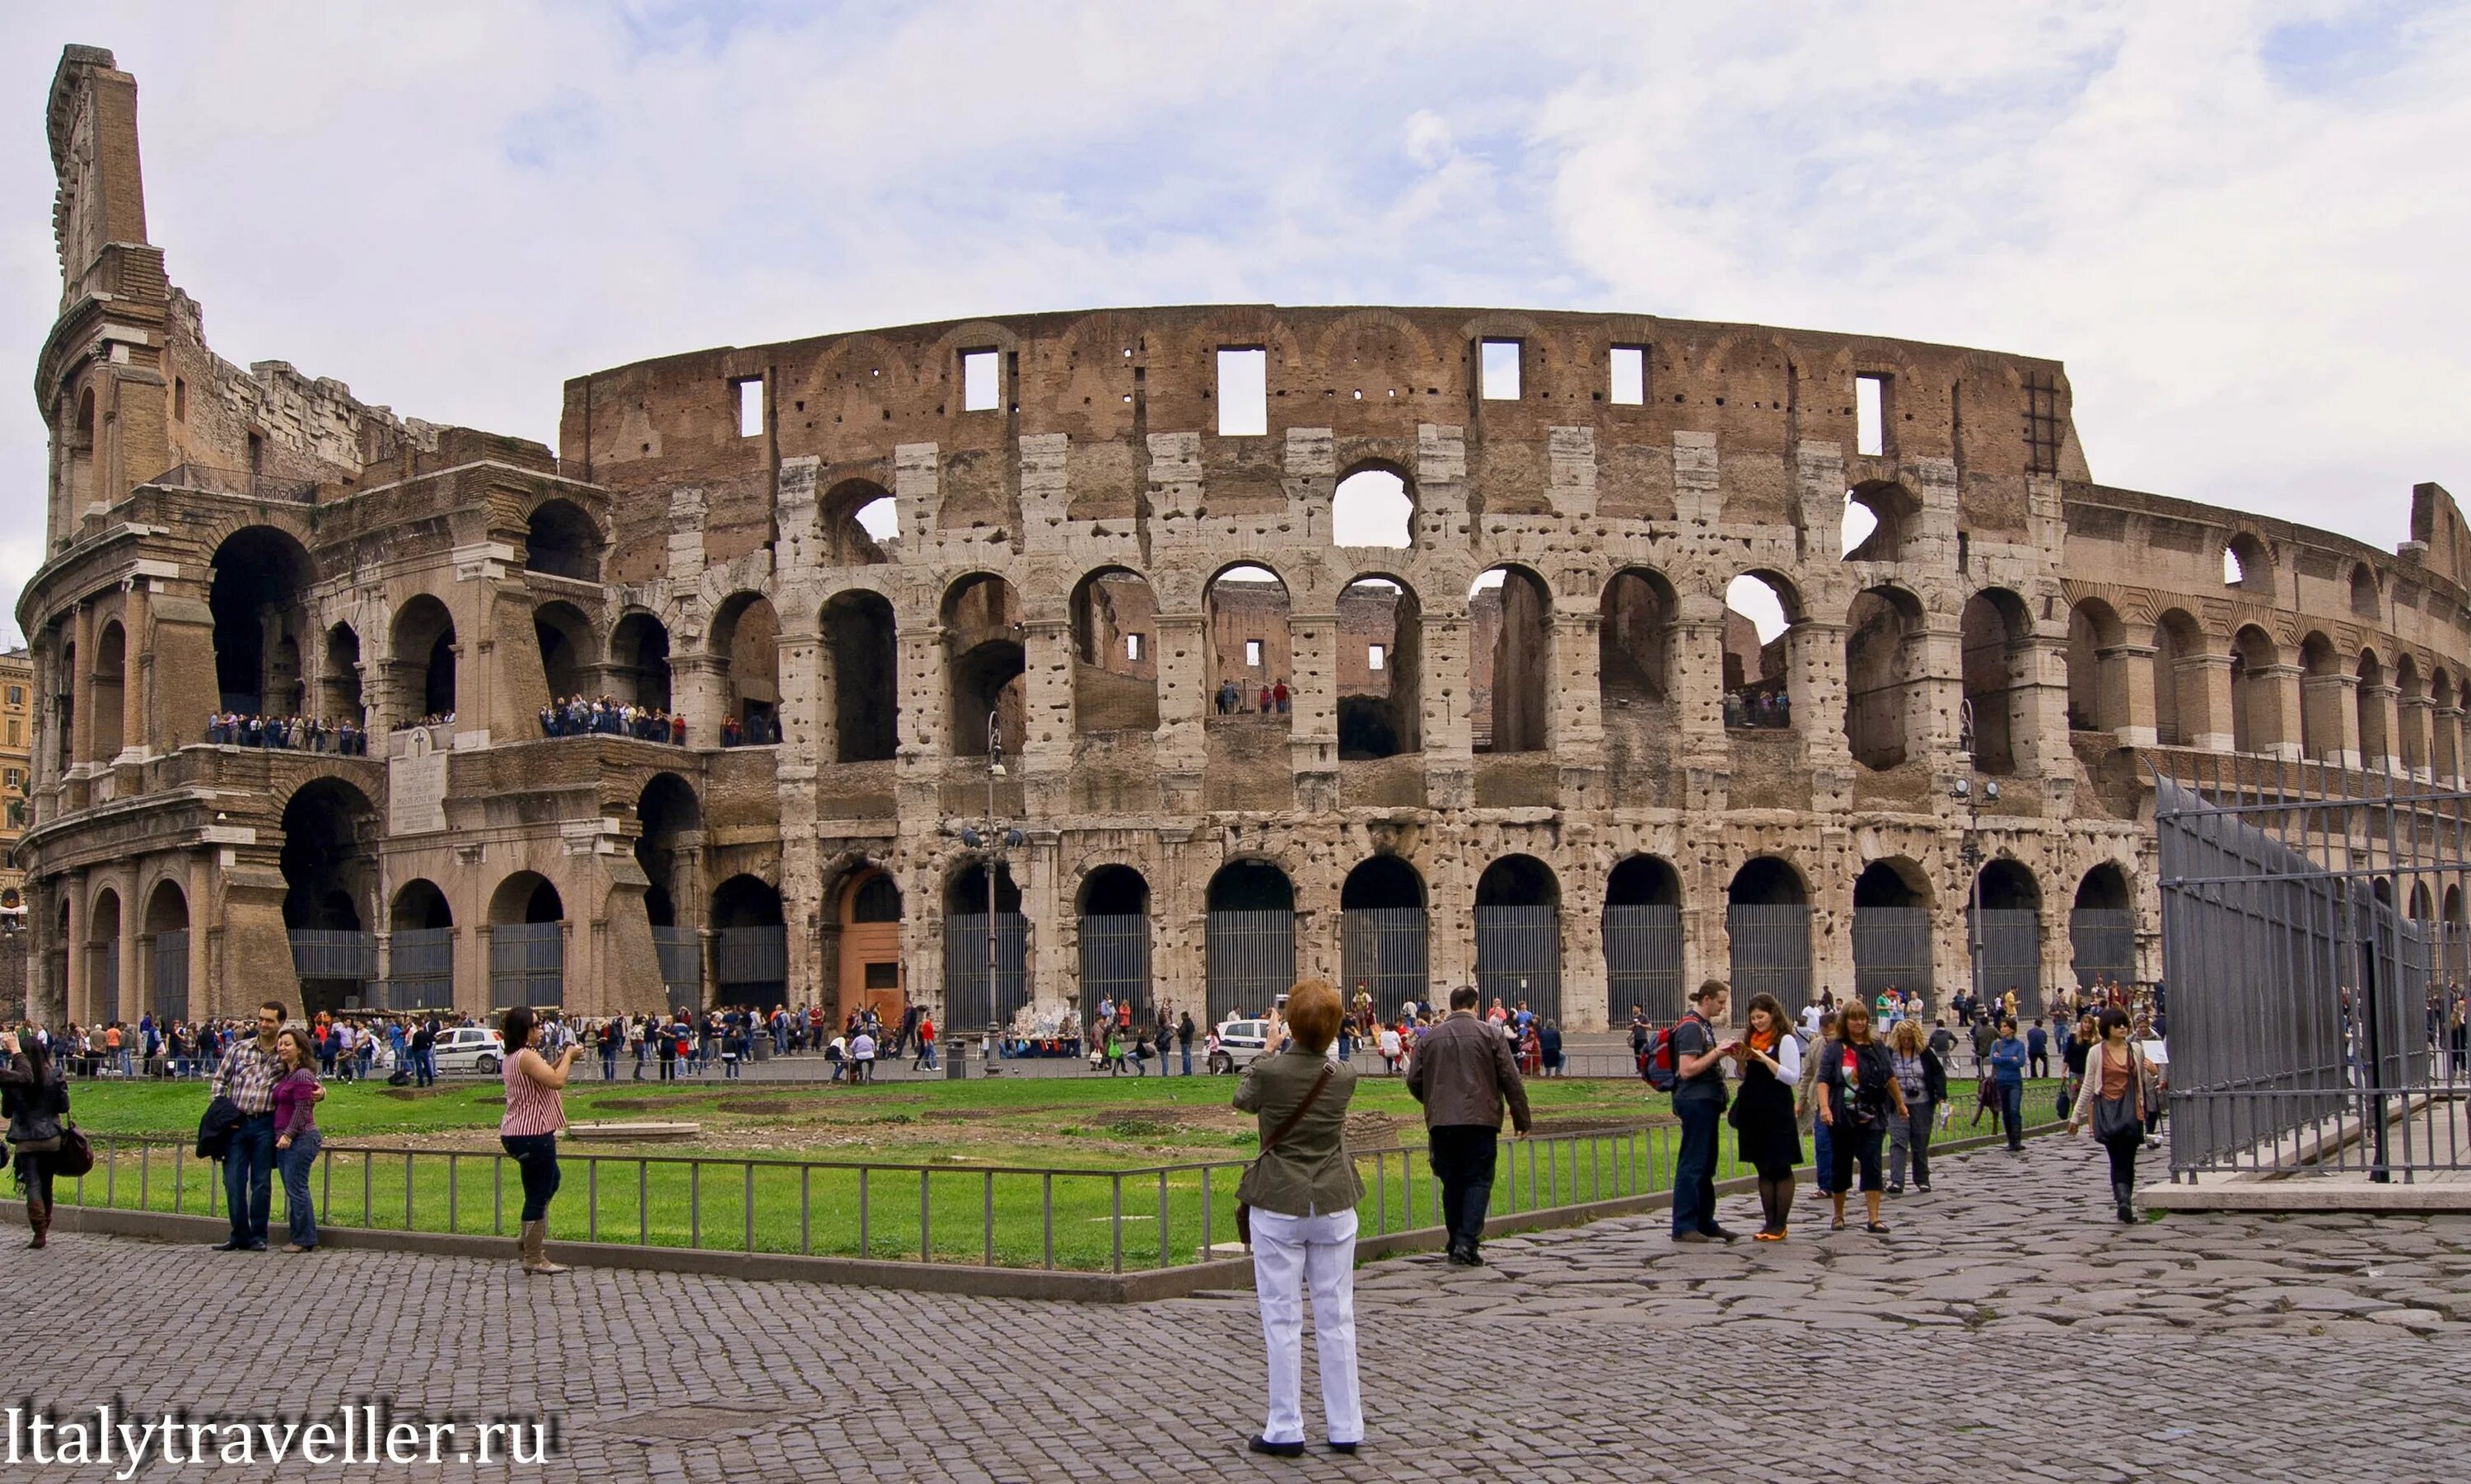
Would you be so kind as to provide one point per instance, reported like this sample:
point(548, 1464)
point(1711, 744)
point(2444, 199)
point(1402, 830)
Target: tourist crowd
point(608, 716)
point(300, 734)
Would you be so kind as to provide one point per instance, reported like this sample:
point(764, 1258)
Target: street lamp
point(1969, 852)
point(995, 837)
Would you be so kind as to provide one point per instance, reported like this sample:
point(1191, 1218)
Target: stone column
point(81, 693)
point(2208, 727)
point(699, 691)
point(2124, 688)
point(2331, 720)
point(2412, 714)
point(2274, 719)
point(2377, 701)
point(1184, 704)
point(2445, 745)
point(136, 680)
point(1047, 694)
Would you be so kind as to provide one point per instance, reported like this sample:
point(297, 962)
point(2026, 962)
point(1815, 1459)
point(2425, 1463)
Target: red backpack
point(1660, 1067)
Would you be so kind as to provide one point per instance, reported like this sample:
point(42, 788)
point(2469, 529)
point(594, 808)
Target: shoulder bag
point(1243, 1209)
point(2115, 1118)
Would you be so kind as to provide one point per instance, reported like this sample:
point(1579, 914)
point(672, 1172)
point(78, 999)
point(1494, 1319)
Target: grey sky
point(2239, 224)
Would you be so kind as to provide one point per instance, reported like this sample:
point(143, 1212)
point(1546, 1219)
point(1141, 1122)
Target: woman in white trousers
point(1302, 1194)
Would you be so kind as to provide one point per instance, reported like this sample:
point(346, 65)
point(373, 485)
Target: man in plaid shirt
point(247, 1075)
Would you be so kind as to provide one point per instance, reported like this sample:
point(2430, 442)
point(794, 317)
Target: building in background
point(17, 766)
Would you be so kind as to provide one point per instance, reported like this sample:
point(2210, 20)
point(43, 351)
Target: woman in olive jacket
point(1303, 1191)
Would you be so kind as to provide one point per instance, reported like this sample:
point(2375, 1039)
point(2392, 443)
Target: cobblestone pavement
point(2006, 1327)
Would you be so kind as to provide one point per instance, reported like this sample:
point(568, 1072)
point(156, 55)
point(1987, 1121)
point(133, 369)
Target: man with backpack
point(1689, 1061)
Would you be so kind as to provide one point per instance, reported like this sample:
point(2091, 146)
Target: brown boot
point(38, 1215)
point(537, 1250)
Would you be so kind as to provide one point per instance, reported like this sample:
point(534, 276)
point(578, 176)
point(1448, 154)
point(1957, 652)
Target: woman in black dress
point(1763, 1112)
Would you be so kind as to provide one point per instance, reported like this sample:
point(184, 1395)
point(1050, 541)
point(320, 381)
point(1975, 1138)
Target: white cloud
point(2240, 242)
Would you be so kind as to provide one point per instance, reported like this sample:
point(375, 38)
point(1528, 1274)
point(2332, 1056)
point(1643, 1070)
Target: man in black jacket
point(1463, 1074)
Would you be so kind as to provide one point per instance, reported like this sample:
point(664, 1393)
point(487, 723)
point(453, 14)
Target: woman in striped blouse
point(534, 1114)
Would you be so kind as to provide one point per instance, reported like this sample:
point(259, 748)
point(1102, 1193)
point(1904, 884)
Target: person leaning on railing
point(1302, 1192)
point(534, 1114)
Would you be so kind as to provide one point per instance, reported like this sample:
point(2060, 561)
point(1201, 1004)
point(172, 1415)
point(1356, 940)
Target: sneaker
point(1895, 1190)
point(1258, 1444)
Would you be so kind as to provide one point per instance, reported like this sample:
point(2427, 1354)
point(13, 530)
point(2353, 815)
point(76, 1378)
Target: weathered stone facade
point(1070, 560)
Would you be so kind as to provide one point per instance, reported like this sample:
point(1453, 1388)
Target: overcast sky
point(2242, 225)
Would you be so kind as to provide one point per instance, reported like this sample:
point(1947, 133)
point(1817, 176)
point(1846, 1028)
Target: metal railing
point(1088, 1220)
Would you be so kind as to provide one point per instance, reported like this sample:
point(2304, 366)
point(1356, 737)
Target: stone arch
point(2365, 600)
point(527, 942)
point(570, 661)
point(1518, 934)
point(1380, 668)
point(862, 646)
point(2102, 927)
point(109, 676)
point(1894, 518)
point(105, 995)
point(1510, 627)
point(2008, 934)
point(750, 942)
point(257, 596)
point(424, 660)
point(2320, 698)
point(2183, 706)
point(1997, 636)
point(1893, 940)
point(562, 541)
point(1249, 937)
point(1883, 675)
point(2248, 564)
point(330, 877)
point(1246, 606)
point(639, 660)
point(1374, 505)
point(2097, 680)
point(1642, 938)
point(1384, 930)
point(1767, 929)
point(984, 662)
point(745, 638)
point(2256, 701)
point(164, 956)
point(668, 847)
point(867, 932)
point(419, 905)
point(1113, 939)
point(1636, 630)
point(2445, 725)
point(859, 516)
point(2373, 702)
point(1764, 649)
point(971, 999)
point(2410, 739)
point(1114, 651)
point(339, 679)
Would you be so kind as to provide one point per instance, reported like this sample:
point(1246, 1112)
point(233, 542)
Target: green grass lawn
point(1073, 1174)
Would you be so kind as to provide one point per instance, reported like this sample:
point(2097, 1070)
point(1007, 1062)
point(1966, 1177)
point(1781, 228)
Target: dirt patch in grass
point(755, 1107)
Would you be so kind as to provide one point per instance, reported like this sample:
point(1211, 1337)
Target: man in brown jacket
point(1463, 1073)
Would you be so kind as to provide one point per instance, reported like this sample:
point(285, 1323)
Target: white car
point(470, 1048)
point(1239, 1043)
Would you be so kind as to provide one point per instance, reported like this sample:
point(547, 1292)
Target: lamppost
point(995, 837)
point(1969, 852)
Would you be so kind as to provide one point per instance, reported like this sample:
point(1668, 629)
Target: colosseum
point(1159, 652)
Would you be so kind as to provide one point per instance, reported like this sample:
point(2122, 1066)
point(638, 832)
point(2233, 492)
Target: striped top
point(530, 1108)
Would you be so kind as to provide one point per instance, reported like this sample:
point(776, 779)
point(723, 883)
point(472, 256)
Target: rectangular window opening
point(180, 399)
point(1374, 658)
point(2042, 422)
point(884, 976)
point(1871, 417)
point(1132, 647)
point(980, 391)
point(751, 407)
point(1243, 392)
point(1253, 653)
point(1500, 366)
point(1630, 375)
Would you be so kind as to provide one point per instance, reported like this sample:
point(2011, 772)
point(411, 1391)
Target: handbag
point(1243, 1208)
point(76, 1157)
point(2115, 1118)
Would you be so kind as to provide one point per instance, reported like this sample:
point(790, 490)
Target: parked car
point(470, 1048)
point(1239, 1043)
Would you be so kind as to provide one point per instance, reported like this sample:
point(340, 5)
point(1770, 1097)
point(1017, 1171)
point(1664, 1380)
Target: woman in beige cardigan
point(2111, 1101)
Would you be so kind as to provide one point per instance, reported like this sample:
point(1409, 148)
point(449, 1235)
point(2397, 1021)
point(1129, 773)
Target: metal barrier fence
point(1644, 962)
point(2011, 957)
point(680, 951)
point(330, 953)
point(751, 965)
point(1519, 958)
point(1251, 960)
point(169, 974)
point(970, 1003)
point(1892, 948)
point(2102, 945)
point(1383, 950)
point(1115, 961)
point(1771, 952)
point(103, 981)
point(527, 964)
point(2316, 1022)
point(420, 969)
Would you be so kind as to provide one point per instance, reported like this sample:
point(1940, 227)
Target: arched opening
point(1634, 636)
point(103, 958)
point(111, 673)
point(1519, 935)
point(870, 948)
point(1382, 932)
point(1115, 652)
point(1250, 657)
point(984, 662)
point(1115, 933)
point(256, 595)
point(2008, 935)
point(669, 848)
point(424, 662)
point(1250, 947)
point(2373, 702)
point(526, 943)
point(1380, 670)
point(562, 541)
point(1879, 518)
point(746, 636)
point(2101, 929)
point(2179, 700)
point(1373, 505)
point(1997, 648)
point(2322, 695)
point(166, 953)
point(2364, 599)
point(1883, 676)
point(1892, 929)
point(2248, 565)
point(859, 516)
point(2097, 671)
point(1644, 939)
point(338, 685)
point(865, 685)
point(750, 943)
point(639, 661)
point(2411, 702)
point(2454, 937)
point(972, 997)
point(1510, 622)
point(565, 640)
point(329, 870)
point(1767, 925)
point(2444, 727)
point(420, 948)
point(2256, 705)
point(1763, 616)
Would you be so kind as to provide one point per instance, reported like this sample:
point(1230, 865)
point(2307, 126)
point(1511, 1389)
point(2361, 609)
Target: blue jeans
point(1822, 1154)
point(535, 1157)
point(1694, 1171)
point(248, 1178)
point(2011, 1112)
point(1187, 1058)
point(298, 1208)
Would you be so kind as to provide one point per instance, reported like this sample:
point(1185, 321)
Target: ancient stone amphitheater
point(1486, 556)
